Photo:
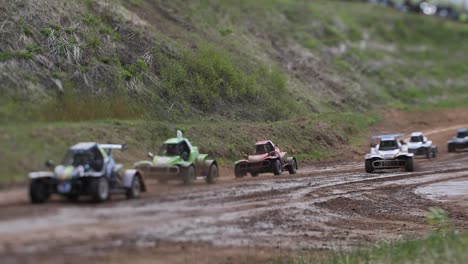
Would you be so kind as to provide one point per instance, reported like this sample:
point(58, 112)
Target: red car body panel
point(262, 163)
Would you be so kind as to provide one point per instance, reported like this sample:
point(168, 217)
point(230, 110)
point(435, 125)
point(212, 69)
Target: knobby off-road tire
point(451, 148)
point(409, 165)
point(369, 166)
point(292, 168)
point(238, 173)
point(73, 197)
point(213, 174)
point(135, 189)
point(100, 189)
point(428, 153)
point(431, 153)
point(38, 191)
point(277, 167)
point(188, 176)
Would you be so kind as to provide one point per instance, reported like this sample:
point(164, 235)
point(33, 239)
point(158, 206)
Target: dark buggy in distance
point(460, 141)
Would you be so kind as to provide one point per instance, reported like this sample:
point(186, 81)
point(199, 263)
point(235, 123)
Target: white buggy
point(389, 154)
point(419, 145)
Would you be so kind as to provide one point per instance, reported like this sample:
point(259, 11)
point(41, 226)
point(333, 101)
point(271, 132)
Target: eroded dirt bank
point(250, 220)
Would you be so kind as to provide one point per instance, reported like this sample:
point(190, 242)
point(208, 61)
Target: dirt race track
point(250, 220)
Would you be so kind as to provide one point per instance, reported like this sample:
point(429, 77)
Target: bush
point(75, 105)
point(206, 78)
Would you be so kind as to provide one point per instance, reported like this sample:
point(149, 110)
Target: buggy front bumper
point(75, 185)
point(389, 164)
point(418, 151)
point(459, 145)
point(256, 167)
point(161, 173)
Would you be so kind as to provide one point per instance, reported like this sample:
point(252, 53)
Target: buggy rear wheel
point(213, 174)
point(38, 191)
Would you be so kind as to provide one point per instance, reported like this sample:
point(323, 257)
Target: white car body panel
point(40, 174)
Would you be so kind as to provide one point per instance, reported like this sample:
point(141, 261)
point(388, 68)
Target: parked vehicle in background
point(178, 160)
point(449, 9)
point(389, 154)
point(88, 168)
point(267, 158)
point(419, 145)
point(459, 141)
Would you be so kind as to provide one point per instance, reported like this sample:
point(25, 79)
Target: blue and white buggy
point(460, 141)
point(88, 168)
point(389, 154)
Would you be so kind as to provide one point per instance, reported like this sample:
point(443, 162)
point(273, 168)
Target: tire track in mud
point(268, 215)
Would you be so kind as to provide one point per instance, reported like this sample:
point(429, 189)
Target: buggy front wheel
point(100, 189)
point(213, 174)
point(409, 165)
point(238, 172)
point(188, 175)
point(276, 167)
point(38, 191)
point(135, 189)
point(369, 166)
point(451, 148)
point(292, 168)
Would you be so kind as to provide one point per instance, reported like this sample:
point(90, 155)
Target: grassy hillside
point(154, 59)
point(235, 67)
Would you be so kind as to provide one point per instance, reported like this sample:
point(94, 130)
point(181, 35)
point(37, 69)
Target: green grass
point(243, 60)
point(415, 61)
point(442, 245)
point(435, 248)
point(9, 55)
point(408, 59)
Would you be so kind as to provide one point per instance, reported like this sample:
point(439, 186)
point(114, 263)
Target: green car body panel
point(174, 160)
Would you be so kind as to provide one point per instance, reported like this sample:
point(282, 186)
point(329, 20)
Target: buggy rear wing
point(122, 147)
point(389, 136)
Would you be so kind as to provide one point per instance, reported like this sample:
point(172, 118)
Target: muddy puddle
point(445, 191)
